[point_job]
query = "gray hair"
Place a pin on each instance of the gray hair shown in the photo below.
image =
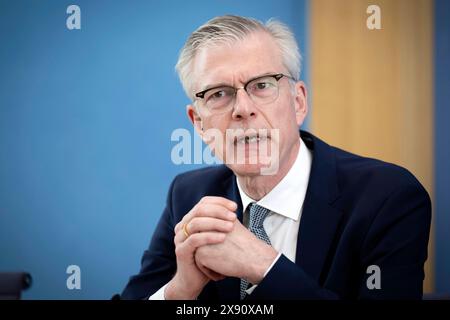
(229, 28)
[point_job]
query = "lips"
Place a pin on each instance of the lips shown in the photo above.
(251, 138)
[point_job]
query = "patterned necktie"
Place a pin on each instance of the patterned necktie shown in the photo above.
(257, 216)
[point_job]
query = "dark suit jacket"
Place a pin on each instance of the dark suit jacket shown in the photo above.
(357, 212)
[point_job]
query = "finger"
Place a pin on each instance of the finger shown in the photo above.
(212, 275)
(206, 210)
(179, 237)
(213, 236)
(200, 208)
(196, 240)
(177, 227)
(202, 224)
(210, 210)
(230, 205)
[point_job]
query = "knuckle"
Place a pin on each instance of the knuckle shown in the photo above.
(195, 210)
(201, 210)
(192, 225)
(223, 211)
(178, 252)
(196, 239)
(192, 240)
(210, 237)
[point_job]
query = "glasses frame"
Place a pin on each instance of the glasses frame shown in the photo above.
(276, 76)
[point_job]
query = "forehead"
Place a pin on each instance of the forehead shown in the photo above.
(236, 62)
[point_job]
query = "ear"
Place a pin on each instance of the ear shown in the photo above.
(195, 118)
(300, 102)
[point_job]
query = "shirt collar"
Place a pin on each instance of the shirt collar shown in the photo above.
(287, 197)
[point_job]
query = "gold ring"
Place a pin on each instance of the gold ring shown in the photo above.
(186, 233)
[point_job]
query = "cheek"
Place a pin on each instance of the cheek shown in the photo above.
(215, 123)
(214, 134)
(284, 118)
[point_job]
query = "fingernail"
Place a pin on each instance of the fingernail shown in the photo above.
(231, 215)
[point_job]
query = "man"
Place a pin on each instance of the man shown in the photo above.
(320, 224)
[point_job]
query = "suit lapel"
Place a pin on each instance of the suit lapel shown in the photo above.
(317, 230)
(320, 219)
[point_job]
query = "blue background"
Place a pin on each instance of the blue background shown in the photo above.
(85, 123)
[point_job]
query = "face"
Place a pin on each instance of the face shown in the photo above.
(234, 65)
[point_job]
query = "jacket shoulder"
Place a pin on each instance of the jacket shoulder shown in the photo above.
(369, 173)
(208, 176)
(189, 187)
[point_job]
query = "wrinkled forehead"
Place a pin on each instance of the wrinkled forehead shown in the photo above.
(236, 61)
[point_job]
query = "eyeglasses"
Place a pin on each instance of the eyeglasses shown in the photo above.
(262, 90)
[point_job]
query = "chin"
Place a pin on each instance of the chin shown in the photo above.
(254, 170)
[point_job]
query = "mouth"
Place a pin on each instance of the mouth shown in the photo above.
(251, 138)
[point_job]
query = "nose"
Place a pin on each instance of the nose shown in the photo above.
(244, 107)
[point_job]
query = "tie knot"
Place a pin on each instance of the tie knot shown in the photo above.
(257, 215)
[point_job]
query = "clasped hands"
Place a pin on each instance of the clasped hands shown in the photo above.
(211, 244)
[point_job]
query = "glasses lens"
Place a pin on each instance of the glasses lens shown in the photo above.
(263, 90)
(219, 99)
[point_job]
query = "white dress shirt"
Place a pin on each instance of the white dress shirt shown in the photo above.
(285, 202)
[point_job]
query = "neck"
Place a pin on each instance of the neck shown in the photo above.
(256, 187)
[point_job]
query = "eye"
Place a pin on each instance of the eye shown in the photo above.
(262, 85)
(218, 94)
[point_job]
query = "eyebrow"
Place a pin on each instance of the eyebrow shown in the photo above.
(223, 84)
